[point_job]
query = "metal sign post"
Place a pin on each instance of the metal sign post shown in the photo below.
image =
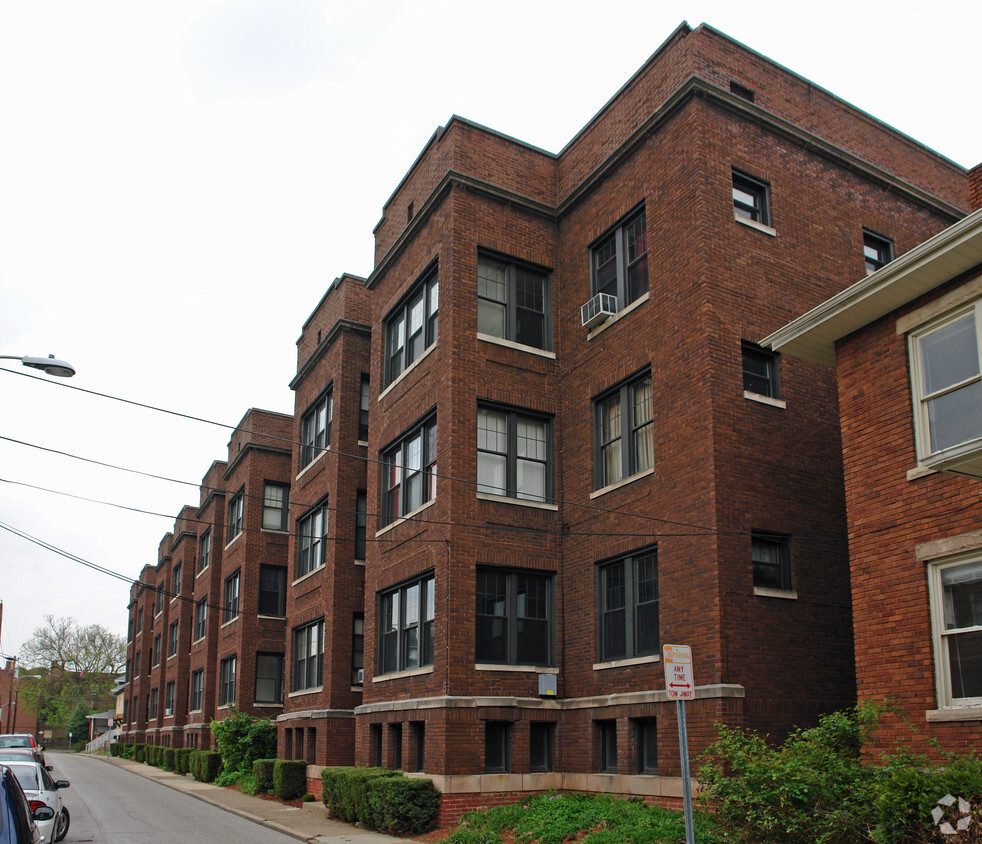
(681, 687)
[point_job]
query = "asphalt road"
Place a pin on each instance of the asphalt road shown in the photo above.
(109, 805)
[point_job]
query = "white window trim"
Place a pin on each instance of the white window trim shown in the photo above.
(623, 312)
(408, 517)
(620, 663)
(518, 502)
(762, 399)
(312, 463)
(511, 344)
(746, 221)
(423, 355)
(301, 692)
(525, 669)
(624, 482)
(767, 592)
(398, 675)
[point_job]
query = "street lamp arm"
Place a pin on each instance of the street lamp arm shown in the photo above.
(50, 364)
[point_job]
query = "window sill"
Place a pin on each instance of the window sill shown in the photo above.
(199, 639)
(231, 542)
(511, 344)
(271, 617)
(526, 669)
(359, 562)
(302, 692)
(312, 463)
(762, 399)
(919, 472)
(955, 713)
(620, 663)
(277, 531)
(171, 657)
(765, 592)
(398, 675)
(309, 574)
(176, 597)
(962, 459)
(753, 224)
(198, 574)
(405, 518)
(259, 705)
(225, 624)
(623, 312)
(363, 443)
(392, 384)
(518, 502)
(604, 490)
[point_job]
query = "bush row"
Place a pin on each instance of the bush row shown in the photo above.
(381, 799)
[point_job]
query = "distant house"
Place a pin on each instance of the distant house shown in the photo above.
(100, 722)
(906, 342)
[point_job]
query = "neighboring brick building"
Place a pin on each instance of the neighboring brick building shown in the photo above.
(576, 450)
(905, 343)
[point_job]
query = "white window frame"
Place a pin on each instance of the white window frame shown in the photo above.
(276, 513)
(227, 668)
(312, 540)
(315, 428)
(415, 316)
(941, 637)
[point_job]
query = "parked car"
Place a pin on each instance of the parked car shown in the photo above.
(23, 754)
(41, 790)
(18, 824)
(11, 740)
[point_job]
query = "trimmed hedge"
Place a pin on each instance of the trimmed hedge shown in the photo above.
(205, 765)
(182, 759)
(262, 769)
(289, 778)
(346, 792)
(403, 805)
(169, 758)
(140, 752)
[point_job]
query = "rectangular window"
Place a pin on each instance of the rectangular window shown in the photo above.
(312, 529)
(418, 729)
(514, 617)
(363, 408)
(269, 678)
(159, 603)
(412, 327)
(235, 511)
(204, 551)
(513, 302)
(956, 605)
(877, 251)
(540, 746)
(139, 619)
(759, 370)
(201, 618)
(308, 652)
(409, 472)
(315, 428)
(750, 199)
(169, 698)
(406, 626)
(358, 650)
(497, 747)
(176, 590)
(646, 734)
(138, 661)
(375, 736)
(607, 750)
(272, 591)
(152, 706)
(361, 524)
(197, 689)
(619, 261)
(172, 638)
(231, 606)
(395, 742)
(513, 455)
(227, 673)
(155, 653)
(623, 431)
(946, 372)
(772, 560)
(628, 606)
(276, 506)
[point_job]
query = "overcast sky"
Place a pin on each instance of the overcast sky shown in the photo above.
(180, 181)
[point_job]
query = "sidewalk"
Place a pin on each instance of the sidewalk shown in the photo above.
(309, 823)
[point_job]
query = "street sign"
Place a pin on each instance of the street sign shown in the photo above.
(678, 672)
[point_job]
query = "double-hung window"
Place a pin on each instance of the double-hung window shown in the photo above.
(276, 506)
(628, 606)
(172, 638)
(759, 370)
(513, 454)
(272, 590)
(956, 605)
(235, 511)
(772, 560)
(315, 428)
(169, 699)
(409, 472)
(308, 656)
(227, 678)
(204, 551)
(311, 540)
(155, 653)
(405, 637)
(514, 617)
(201, 618)
(197, 689)
(412, 327)
(364, 407)
(751, 199)
(946, 371)
(619, 261)
(152, 705)
(877, 251)
(513, 302)
(624, 433)
(177, 581)
(361, 524)
(231, 605)
(269, 678)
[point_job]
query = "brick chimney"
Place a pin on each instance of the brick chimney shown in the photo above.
(975, 187)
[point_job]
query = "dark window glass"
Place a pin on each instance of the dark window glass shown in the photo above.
(315, 428)
(409, 472)
(772, 560)
(513, 302)
(364, 408)
(412, 327)
(172, 639)
(235, 510)
(406, 617)
(227, 695)
(177, 581)
(750, 199)
(513, 617)
(619, 261)
(628, 607)
(276, 506)
(497, 747)
(647, 738)
(200, 618)
(361, 524)
(607, 738)
(197, 689)
(877, 251)
(419, 745)
(269, 678)
(231, 605)
(204, 551)
(310, 546)
(358, 650)
(624, 431)
(540, 746)
(308, 653)
(759, 370)
(272, 590)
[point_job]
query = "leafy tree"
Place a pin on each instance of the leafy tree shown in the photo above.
(62, 642)
(78, 724)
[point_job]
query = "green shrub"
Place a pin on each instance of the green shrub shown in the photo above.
(401, 805)
(169, 757)
(289, 778)
(127, 751)
(248, 784)
(205, 765)
(308, 798)
(242, 739)
(139, 752)
(346, 792)
(182, 758)
(262, 769)
(114, 749)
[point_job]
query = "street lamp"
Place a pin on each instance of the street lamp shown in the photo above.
(50, 364)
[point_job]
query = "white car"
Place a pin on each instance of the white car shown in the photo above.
(41, 790)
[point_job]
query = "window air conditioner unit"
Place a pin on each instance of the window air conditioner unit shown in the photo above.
(598, 309)
(360, 676)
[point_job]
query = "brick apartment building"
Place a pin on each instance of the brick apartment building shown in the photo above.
(540, 440)
(905, 343)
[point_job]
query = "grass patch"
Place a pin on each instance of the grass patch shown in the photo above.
(587, 818)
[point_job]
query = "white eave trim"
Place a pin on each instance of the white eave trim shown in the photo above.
(941, 258)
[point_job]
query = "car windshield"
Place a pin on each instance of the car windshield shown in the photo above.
(15, 741)
(27, 776)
